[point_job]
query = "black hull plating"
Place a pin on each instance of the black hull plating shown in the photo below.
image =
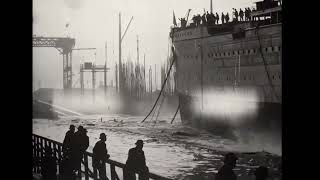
(266, 119)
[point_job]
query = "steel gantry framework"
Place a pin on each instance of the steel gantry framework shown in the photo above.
(65, 47)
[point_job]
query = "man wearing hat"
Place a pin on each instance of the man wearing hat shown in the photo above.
(226, 172)
(100, 155)
(136, 163)
(67, 142)
(80, 145)
(66, 166)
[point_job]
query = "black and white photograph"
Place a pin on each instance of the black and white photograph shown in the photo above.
(162, 90)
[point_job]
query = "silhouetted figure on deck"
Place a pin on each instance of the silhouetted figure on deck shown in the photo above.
(222, 18)
(48, 165)
(235, 13)
(227, 17)
(100, 155)
(217, 18)
(80, 145)
(136, 162)
(226, 172)
(261, 173)
(241, 14)
(67, 142)
(208, 18)
(249, 14)
(183, 22)
(246, 14)
(203, 19)
(198, 18)
(213, 18)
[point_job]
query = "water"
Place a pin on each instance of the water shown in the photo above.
(171, 150)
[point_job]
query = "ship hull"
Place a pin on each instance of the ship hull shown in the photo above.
(266, 118)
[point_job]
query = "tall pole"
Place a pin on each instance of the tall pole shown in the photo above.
(210, 6)
(93, 81)
(138, 50)
(138, 75)
(105, 71)
(120, 63)
(150, 78)
(155, 76)
(144, 73)
(117, 85)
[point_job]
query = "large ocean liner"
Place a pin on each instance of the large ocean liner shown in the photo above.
(228, 75)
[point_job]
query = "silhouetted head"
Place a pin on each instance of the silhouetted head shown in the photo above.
(84, 131)
(80, 128)
(230, 159)
(139, 144)
(72, 128)
(103, 137)
(261, 173)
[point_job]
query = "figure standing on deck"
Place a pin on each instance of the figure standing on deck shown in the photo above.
(203, 19)
(80, 145)
(222, 18)
(49, 165)
(235, 13)
(217, 18)
(136, 163)
(198, 19)
(100, 155)
(241, 14)
(213, 18)
(226, 172)
(208, 18)
(227, 17)
(194, 19)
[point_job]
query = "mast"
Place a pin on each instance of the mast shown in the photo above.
(120, 64)
(144, 73)
(155, 76)
(138, 69)
(105, 71)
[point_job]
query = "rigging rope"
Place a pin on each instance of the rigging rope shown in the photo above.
(163, 85)
(175, 114)
(265, 65)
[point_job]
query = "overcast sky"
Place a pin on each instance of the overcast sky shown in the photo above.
(93, 22)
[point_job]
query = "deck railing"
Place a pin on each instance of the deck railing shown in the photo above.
(39, 144)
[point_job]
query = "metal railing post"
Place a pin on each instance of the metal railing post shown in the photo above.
(86, 168)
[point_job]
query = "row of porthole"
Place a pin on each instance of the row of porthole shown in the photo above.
(234, 53)
(249, 77)
(183, 34)
(245, 52)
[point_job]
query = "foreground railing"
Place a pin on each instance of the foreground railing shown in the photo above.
(39, 144)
